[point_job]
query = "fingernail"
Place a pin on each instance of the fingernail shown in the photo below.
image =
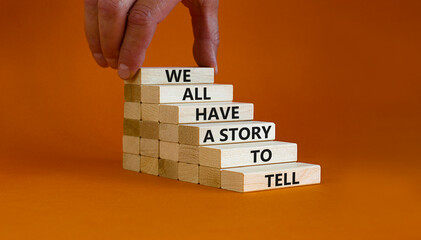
(124, 71)
(99, 58)
(112, 62)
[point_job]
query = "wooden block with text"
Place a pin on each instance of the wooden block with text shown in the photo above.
(172, 75)
(150, 112)
(186, 93)
(167, 168)
(149, 147)
(188, 172)
(131, 144)
(168, 132)
(265, 177)
(149, 165)
(247, 154)
(132, 93)
(168, 150)
(225, 132)
(132, 110)
(210, 176)
(131, 162)
(149, 129)
(205, 112)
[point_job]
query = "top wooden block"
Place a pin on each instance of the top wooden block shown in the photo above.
(172, 75)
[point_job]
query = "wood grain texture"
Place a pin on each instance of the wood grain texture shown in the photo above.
(132, 110)
(209, 176)
(188, 154)
(167, 168)
(131, 162)
(149, 129)
(226, 132)
(205, 112)
(168, 150)
(149, 147)
(132, 93)
(149, 165)
(247, 154)
(265, 177)
(158, 75)
(188, 172)
(186, 93)
(168, 132)
(150, 112)
(131, 144)
(131, 127)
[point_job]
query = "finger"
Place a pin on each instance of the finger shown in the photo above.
(204, 14)
(92, 31)
(141, 25)
(112, 16)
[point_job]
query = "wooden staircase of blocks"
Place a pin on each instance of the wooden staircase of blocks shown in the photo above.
(178, 124)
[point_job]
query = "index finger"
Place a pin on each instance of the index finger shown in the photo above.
(141, 25)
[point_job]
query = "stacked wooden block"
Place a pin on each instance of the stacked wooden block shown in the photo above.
(179, 125)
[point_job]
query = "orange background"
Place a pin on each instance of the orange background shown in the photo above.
(340, 78)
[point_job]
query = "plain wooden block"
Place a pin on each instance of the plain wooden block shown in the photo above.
(209, 176)
(131, 144)
(131, 162)
(132, 110)
(149, 147)
(149, 165)
(188, 154)
(168, 132)
(168, 168)
(247, 154)
(149, 129)
(150, 112)
(172, 75)
(168, 150)
(226, 132)
(186, 93)
(131, 127)
(265, 177)
(188, 172)
(205, 112)
(132, 93)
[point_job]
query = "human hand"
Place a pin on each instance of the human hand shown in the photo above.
(120, 31)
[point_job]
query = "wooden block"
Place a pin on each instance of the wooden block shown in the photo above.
(227, 132)
(131, 144)
(149, 147)
(188, 154)
(209, 176)
(186, 93)
(172, 75)
(168, 132)
(265, 177)
(149, 165)
(247, 154)
(132, 93)
(168, 168)
(131, 162)
(168, 150)
(150, 112)
(149, 129)
(188, 172)
(131, 127)
(205, 112)
(132, 110)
